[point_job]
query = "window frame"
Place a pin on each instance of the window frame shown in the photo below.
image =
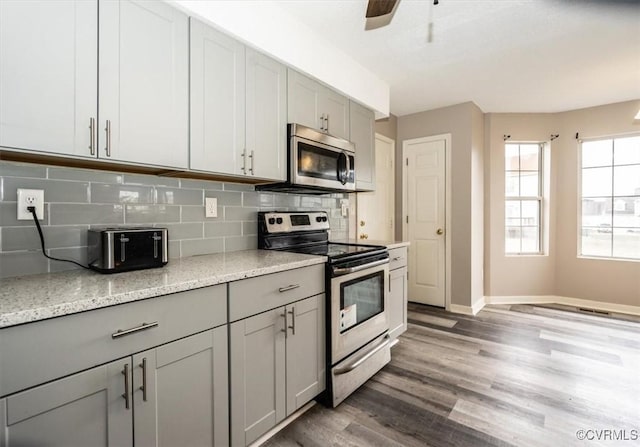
(539, 198)
(580, 198)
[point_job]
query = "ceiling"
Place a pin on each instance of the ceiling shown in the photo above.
(504, 55)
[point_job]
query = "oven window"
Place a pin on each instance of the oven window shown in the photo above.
(317, 162)
(361, 299)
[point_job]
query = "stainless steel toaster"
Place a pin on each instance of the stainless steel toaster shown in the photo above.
(113, 250)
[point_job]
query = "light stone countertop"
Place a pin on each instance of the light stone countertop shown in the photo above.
(37, 297)
(388, 244)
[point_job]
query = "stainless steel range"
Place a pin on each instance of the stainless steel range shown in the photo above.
(357, 279)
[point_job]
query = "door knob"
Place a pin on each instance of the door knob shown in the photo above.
(362, 223)
(364, 236)
(439, 231)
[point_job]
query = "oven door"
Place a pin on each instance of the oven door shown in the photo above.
(315, 164)
(359, 303)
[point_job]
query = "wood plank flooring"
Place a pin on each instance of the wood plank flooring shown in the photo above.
(518, 375)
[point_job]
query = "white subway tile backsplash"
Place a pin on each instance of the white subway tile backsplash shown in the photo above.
(79, 199)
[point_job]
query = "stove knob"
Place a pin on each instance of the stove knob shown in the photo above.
(324, 218)
(279, 220)
(271, 221)
(319, 219)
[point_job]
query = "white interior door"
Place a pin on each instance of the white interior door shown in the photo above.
(424, 195)
(376, 209)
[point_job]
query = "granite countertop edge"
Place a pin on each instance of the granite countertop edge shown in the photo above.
(32, 299)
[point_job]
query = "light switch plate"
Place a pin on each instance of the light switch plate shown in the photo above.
(344, 208)
(210, 207)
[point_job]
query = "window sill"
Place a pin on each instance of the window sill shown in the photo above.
(606, 258)
(526, 255)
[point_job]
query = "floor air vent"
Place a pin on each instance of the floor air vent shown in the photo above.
(593, 311)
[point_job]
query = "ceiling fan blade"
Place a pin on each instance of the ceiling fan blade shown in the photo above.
(377, 8)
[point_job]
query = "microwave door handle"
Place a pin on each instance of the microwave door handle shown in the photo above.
(342, 175)
(348, 168)
(346, 271)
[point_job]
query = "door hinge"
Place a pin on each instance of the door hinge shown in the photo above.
(407, 161)
(407, 218)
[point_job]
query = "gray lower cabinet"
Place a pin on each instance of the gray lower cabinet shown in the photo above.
(277, 366)
(61, 384)
(398, 288)
(83, 410)
(175, 394)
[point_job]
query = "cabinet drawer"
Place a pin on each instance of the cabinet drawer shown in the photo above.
(397, 258)
(37, 352)
(254, 295)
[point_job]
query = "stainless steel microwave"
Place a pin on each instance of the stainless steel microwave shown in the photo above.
(317, 163)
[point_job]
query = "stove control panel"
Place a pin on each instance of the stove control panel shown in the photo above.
(291, 221)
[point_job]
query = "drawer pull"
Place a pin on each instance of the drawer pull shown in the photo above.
(289, 287)
(142, 327)
(397, 258)
(125, 372)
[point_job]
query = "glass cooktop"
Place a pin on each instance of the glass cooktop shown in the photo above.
(336, 250)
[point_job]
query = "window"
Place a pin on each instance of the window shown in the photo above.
(610, 198)
(523, 198)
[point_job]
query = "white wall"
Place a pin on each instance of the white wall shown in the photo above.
(560, 272)
(264, 25)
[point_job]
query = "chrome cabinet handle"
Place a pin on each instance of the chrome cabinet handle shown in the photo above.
(286, 334)
(244, 161)
(397, 258)
(107, 129)
(125, 372)
(389, 282)
(289, 287)
(251, 158)
(326, 120)
(143, 365)
(144, 326)
(322, 122)
(92, 135)
(293, 320)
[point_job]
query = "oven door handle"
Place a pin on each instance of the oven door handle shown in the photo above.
(346, 271)
(348, 368)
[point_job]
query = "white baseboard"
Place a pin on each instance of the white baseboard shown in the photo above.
(468, 310)
(567, 301)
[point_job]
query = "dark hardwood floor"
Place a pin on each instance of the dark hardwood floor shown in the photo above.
(512, 375)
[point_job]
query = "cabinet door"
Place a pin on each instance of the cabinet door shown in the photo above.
(257, 375)
(85, 409)
(217, 101)
(336, 109)
(362, 135)
(304, 97)
(266, 134)
(186, 399)
(48, 75)
(144, 65)
(398, 302)
(306, 361)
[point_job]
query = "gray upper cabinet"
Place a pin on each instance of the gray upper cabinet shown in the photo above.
(362, 124)
(85, 409)
(266, 114)
(238, 107)
(113, 87)
(217, 101)
(48, 76)
(144, 63)
(314, 105)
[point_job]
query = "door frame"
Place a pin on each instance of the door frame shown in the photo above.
(447, 203)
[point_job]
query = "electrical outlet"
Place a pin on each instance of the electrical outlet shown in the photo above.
(344, 208)
(30, 197)
(210, 207)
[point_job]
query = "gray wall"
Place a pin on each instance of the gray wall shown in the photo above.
(388, 127)
(464, 123)
(78, 199)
